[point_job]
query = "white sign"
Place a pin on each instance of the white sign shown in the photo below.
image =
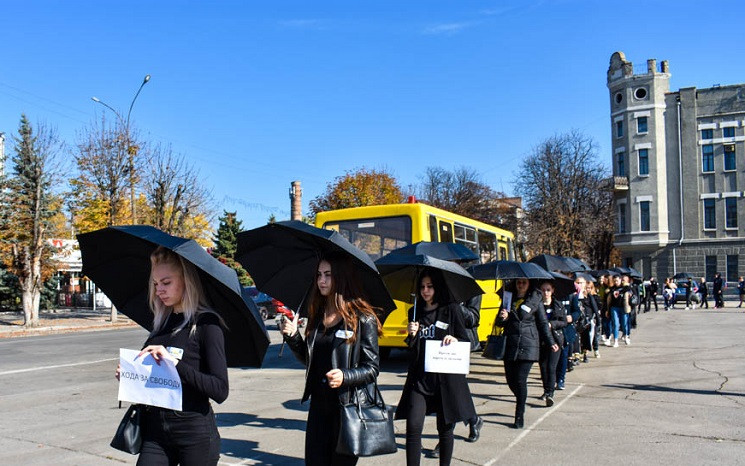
(507, 300)
(142, 380)
(454, 358)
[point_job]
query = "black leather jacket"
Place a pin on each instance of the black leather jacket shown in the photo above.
(359, 369)
(526, 327)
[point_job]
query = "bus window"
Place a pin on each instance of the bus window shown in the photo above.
(446, 234)
(502, 253)
(433, 228)
(376, 236)
(466, 236)
(510, 249)
(487, 246)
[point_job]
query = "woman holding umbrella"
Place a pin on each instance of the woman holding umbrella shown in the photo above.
(548, 359)
(434, 317)
(189, 334)
(525, 326)
(338, 317)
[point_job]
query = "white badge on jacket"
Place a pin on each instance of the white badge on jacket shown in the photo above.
(441, 325)
(344, 334)
(526, 308)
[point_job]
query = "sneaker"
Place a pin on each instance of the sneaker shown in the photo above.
(597, 354)
(549, 401)
(560, 386)
(628, 341)
(615, 344)
(543, 397)
(608, 342)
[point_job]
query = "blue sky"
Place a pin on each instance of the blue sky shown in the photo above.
(258, 94)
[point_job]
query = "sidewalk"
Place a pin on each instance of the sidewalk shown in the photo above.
(61, 321)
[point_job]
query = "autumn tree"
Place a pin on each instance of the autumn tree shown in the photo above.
(29, 213)
(177, 202)
(463, 192)
(226, 244)
(358, 188)
(567, 199)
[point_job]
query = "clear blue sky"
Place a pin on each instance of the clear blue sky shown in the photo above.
(258, 94)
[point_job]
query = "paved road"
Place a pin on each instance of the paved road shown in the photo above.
(676, 396)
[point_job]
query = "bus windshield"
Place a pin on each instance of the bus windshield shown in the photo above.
(376, 236)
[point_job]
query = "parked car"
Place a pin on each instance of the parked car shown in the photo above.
(680, 292)
(263, 301)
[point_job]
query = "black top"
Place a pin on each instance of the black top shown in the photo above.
(426, 382)
(617, 296)
(203, 370)
(321, 364)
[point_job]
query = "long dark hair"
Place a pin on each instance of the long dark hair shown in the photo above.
(442, 296)
(347, 296)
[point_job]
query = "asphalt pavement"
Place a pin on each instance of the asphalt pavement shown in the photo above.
(674, 396)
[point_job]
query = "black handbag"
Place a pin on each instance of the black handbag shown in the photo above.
(495, 345)
(128, 437)
(366, 422)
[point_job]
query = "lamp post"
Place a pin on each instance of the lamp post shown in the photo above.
(131, 149)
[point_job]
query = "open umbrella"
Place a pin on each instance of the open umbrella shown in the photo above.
(630, 271)
(282, 258)
(559, 263)
(401, 271)
(507, 270)
(444, 251)
(563, 285)
(117, 259)
(601, 272)
(588, 277)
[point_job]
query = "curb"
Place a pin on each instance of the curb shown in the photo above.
(55, 329)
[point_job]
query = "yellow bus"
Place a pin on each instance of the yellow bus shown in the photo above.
(380, 229)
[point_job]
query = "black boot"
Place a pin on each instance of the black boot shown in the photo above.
(519, 421)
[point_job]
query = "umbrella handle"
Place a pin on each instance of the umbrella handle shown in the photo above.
(414, 313)
(281, 349)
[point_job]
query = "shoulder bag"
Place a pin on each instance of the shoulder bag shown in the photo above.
(366, 422)
(128, 437)
(495, 345)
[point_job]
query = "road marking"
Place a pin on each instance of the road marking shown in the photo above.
(533, 426)
(32, 369)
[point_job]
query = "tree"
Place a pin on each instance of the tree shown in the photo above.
(176, 200)
(567, 198)
(30, 211)
(463, 192)
(226, 244)
(358, 188)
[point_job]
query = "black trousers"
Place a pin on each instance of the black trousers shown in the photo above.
(704, 301)
(415, 424)
(179, 437)
(322, 432)
(516, 373)
(548, 361)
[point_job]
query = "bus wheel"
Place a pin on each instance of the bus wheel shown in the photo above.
(385, 352)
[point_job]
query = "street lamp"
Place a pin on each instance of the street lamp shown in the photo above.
(131, 150)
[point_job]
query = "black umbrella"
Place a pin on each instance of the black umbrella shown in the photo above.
(444, 251)
(601, 272)
(588, 277)
(282, 258)
(630, 271)
(507, 270)
(117, 259)
(559, 263)
(401, 271)
(683, 276)
(563, 285)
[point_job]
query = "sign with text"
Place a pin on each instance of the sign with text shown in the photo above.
(142, 380)
(454, 358)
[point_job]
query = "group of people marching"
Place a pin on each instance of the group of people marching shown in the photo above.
(339, 346)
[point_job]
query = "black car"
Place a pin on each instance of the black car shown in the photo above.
(263, 301)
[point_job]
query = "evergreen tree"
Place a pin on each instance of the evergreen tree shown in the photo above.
(226, 237)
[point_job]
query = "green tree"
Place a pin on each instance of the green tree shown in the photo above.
(226, 244)
(362, 187)
(30, 212)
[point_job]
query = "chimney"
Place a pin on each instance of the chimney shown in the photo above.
(2, 154)
(651, 66)
(296, 201)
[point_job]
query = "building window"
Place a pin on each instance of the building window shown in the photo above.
(707, 158)
(730, 212)
(732, 263)
(644, 215)
(641, 125)
(622, 218)
(728, 132)
(710, 262)
(710, 215)
(707, 134)
(619, 129)
(729, 157)
(621, 164)
(644, 161)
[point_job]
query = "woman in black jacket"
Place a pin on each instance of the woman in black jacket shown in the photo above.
(337, 315)
(189, 334)
(447, 395)
(526, 326)
(548, 360)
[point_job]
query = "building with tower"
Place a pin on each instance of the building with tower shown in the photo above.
(678, 173)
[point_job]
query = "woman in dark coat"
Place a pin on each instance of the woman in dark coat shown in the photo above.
(548, 360)
(525, 326)
(435, 317)
(338, 314)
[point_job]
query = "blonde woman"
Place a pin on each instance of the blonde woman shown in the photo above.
(189, 334)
